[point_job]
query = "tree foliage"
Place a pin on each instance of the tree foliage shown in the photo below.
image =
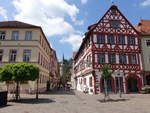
(67, 66)
(66, 76)
(6, 73)
(25, 72)
(19, 72)
(106, 72)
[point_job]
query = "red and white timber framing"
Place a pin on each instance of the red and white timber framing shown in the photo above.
(126, 62)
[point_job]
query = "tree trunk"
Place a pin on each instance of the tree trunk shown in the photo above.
(7, 84)
(17, 91)
(120, 95)
(105, 87)
(37, 90)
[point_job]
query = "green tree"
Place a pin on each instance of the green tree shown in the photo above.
(6, 74)
(67, 66)
(106, 74)
(24, 72)
(19, 72)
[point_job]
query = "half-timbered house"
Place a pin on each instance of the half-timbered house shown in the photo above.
(113, 41)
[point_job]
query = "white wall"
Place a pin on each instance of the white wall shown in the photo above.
(81, 86)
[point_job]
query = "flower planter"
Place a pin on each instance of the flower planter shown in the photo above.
(3, 98)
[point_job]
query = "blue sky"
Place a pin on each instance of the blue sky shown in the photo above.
(65, 21)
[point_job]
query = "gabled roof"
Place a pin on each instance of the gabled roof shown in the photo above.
(143, 27)
(92, 27)
(16, 24)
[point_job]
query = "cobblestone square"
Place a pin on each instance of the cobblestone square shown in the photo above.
(77, 102)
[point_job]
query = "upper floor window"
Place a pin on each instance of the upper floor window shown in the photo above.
(2, 35)
(15, 35)
(112, 58)
(26, 55)
(115, 23)
(88, 43)
(113, 11)
(148, 43)
(101, 39)
(28, 35)
(101, 58)
(111, 39)
(1, 55)
(133, 59)
(121, 40)
(131, 41)
(88, 61)
(12, 55)
(122, 59)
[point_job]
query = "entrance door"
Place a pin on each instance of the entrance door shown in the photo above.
(132, 85)
(148, 80)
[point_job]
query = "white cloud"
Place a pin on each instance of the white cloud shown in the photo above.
(79, 22)
(74, 40)
(50, 14)
(84, 1)
(3, 13)
(146, 3)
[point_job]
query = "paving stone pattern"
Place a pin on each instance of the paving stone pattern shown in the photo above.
(77, 102)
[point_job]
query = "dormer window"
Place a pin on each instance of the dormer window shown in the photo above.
(115, 23)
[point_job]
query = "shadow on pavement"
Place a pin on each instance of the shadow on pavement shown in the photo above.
(60, 92)
(5, 106)
(113, 100)
(34, 101)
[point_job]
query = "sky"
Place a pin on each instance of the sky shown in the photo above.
(65, 22)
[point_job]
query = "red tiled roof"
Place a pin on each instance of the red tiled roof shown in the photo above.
(143, 27)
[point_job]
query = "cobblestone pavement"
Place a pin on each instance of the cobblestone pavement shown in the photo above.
(77, 102)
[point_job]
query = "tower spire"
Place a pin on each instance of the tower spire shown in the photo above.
(63, 58)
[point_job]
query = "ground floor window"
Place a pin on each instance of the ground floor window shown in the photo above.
(148, 80)
(109, 85)
(84, 81)
(119, 84)
(90, 81)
